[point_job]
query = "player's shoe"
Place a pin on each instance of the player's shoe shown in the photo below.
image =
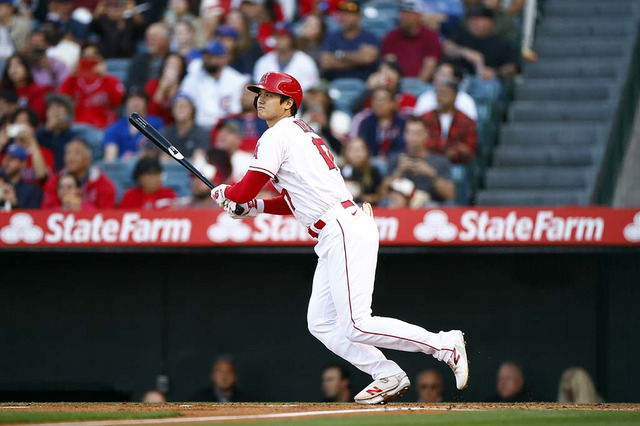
(459, 362)
(384, 390)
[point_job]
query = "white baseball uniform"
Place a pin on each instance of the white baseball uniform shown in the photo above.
(339, 315)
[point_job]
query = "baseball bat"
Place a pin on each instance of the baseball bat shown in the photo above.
(161, 142)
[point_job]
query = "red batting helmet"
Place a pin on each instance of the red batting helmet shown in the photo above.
(280, 83)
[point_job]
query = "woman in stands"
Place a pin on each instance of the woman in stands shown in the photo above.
(18, 78)
(362, 178)
(161, 91)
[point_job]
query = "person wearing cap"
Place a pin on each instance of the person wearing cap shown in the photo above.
(98, 191)
(15, 193)
(451, 132)
(479, 51)
(351, 52)
(145, 66)
(239, 61)
(47, 71)
(96, 94)
(213, 85)
(430, 172)
(286, 58)
(415, 48)
(149, 194)
(56, 132)
(121, 140)
(245, 50)
(16, 27)
(190, 139)
(401, 191)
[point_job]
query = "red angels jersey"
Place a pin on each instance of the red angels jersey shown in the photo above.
(301, 167)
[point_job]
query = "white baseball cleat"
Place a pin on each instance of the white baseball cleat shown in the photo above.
(459, 362)
(384, 390)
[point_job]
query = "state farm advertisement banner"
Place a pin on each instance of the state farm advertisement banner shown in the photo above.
(451, 226)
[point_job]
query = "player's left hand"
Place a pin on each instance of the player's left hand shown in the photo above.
(249, 209)
(217, 194)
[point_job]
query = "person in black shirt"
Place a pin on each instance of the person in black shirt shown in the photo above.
(223, 384)
(14, 192)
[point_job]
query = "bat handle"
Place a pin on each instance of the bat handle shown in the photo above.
(239, 210)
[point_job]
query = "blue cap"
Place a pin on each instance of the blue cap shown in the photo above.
(182, 95)
(227, 31)
(18, 152)
(214, 47)
(7, 1)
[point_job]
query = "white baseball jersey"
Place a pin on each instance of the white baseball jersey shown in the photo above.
(302, 168)
(214, 99)
(301, 66)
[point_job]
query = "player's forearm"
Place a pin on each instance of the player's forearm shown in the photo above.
(248, 187)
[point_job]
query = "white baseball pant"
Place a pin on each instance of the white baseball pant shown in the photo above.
(339, 313)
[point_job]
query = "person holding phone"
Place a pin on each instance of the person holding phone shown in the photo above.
(46, 71)
(96, 94)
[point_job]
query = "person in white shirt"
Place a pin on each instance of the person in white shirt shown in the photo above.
(287, 59)
(428, 102)
(214, 86)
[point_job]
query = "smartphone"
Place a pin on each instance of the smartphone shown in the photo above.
(13, 130)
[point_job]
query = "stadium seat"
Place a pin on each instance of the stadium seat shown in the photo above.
(536, 197)
(459, 173)
(92, 135)
(538, 177)
(119, 67)
(378, 26)
(344, 91)
(413, 85)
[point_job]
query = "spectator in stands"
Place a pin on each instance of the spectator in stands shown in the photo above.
(415, 48)
(8, 103)
(119, 27)
(504, 26)
(162, 90)
(312, 35)
(363, 179)
(147, 65)
(252, 127)
(510, 385)
(576, 387)
(98, 191)
(479, 51)
(223, 384)
(443, 16)
(66, 47)
(229, 139)
(319, 112)
(230, 39)
(21, 130)
(351, 52)
(96, 94)
(214, 86)
(336, 384)
(451, 132)
(428, 171)
(154, 396)
(382, 130)
(69, 191)
(200, 197)
(178, 12)
(56, 132)
(122, 140)
(15, 193)
(47, 71)
(429, 386)
(464, 102)
(262, 16)
(286, 58)
(183, 40)
(400, 194)
(18, 78)
(247, 50)
(15, 28)
(149, 194)
(190, 139)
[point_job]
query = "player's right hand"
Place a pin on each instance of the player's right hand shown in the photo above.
(217, 194)
(249, 209)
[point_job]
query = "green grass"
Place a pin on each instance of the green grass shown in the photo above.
(63, 416)
(484, 418)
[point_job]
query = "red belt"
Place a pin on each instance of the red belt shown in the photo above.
(320, 224)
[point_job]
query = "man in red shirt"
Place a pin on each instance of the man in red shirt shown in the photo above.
(97, 190)
(416, 48)
(96, 94)
(149, 194)
(451, 132)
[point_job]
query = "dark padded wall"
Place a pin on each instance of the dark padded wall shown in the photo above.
(116, 320)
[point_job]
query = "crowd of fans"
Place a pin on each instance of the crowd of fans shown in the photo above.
(63, 115)
(575, 386)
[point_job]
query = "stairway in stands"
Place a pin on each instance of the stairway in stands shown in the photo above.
(552, 146)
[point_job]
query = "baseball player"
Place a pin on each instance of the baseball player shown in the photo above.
(311, 188)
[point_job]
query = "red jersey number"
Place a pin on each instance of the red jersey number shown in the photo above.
(324, 151)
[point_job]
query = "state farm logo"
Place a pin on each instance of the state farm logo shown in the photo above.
(632, 231)
(435, 226)
(227, 228)
(21, 228)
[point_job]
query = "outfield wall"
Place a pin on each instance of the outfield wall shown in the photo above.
(107, 319)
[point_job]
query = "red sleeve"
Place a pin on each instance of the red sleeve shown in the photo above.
(50, 194)
(277, 205)
(106, 194)
(115, 90)
(248, 187)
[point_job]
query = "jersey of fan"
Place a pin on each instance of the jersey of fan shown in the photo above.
(301, 167)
